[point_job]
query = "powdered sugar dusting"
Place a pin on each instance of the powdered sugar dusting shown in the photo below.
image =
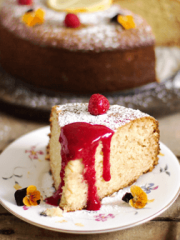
(98, 32)
(115, 117)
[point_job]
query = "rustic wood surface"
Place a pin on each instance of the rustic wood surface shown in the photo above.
(165, 227)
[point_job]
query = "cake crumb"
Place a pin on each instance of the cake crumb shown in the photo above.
(79, 224)
(54, 212)
(62, 221)
(161, 154)
(17, 186)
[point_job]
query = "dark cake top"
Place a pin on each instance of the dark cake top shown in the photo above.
(97, 33)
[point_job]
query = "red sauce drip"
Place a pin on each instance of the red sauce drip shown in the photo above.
(79, 141)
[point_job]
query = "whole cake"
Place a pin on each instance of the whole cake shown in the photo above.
(93, 156)
(103, 53)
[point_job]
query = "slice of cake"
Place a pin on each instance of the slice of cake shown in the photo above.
(94, 156)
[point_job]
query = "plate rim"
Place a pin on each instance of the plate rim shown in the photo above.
(46, 128)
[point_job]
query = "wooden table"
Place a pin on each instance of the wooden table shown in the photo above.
(166, 226)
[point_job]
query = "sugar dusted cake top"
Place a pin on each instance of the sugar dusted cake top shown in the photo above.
(97, 34)
(115, 117)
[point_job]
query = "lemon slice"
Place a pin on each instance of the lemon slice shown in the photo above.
(75, 6)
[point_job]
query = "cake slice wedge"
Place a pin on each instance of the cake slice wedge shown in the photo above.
(130, 137)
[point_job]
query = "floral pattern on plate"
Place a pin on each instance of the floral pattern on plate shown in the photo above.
(149, 187)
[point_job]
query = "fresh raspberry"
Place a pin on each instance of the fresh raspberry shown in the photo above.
(72, 21)
(24, 2)
(98, 104)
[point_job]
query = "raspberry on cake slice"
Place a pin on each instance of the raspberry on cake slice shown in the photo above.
(93, 156)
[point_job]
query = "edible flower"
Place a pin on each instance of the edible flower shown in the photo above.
(32, 18)
(126, 21)
(32, 196)
(137, 198)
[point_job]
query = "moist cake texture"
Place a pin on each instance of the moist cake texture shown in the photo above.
(134, 149)
(99, 56)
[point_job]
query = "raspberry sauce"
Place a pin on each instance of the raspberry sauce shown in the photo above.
(79, 141)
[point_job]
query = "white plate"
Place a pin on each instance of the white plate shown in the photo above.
(23, 163)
